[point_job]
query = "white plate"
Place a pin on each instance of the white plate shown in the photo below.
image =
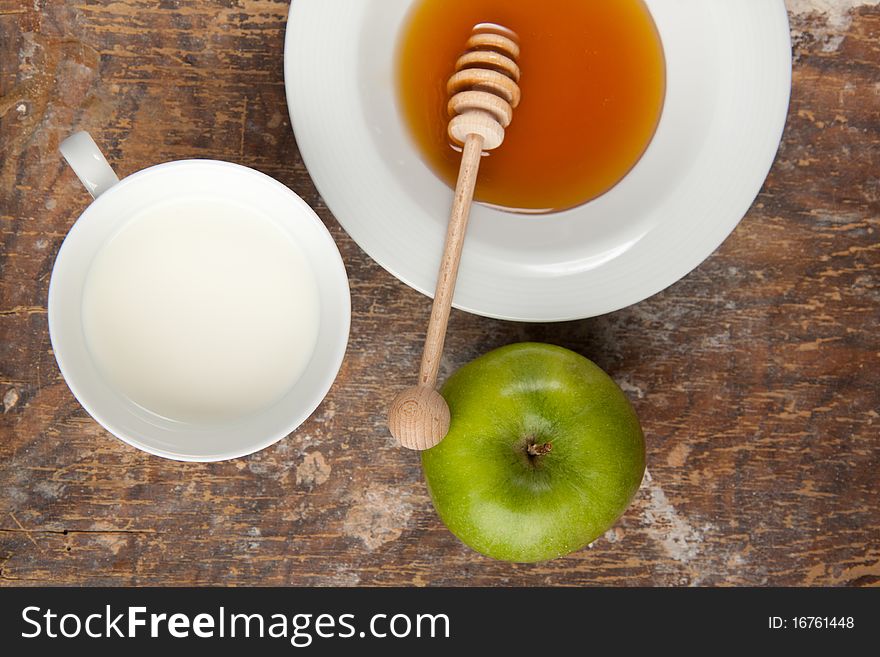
(728, 82)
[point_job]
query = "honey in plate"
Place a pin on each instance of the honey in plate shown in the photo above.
(593, 80)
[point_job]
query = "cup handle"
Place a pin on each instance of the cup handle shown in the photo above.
(88, 163)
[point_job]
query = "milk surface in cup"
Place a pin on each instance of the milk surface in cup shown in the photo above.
(201, 310)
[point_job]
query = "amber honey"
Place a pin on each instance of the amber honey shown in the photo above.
(593, 84)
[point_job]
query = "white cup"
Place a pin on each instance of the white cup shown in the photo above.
(116, 202)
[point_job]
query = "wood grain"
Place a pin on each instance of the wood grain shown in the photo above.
(756, 377)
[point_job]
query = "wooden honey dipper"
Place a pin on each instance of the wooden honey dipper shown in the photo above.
(483, 92)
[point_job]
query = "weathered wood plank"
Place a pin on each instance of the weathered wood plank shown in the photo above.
(757, 376)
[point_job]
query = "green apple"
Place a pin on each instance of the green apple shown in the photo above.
(543, 455)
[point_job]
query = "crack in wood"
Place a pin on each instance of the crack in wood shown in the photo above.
(68, 532)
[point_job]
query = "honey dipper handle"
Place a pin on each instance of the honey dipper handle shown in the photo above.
(461, 210)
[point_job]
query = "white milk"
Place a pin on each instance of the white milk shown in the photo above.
(201, 311)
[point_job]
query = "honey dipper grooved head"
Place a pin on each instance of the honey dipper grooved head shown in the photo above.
(484, 89)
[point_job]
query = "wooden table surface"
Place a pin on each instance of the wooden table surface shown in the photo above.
(757, 377)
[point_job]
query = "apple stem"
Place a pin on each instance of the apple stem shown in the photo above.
(539, 450)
